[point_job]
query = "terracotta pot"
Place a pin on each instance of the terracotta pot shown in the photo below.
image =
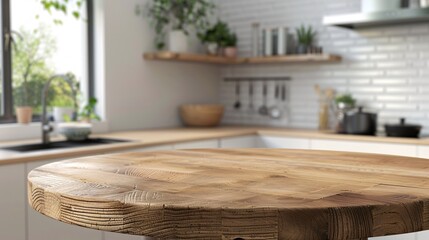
(24, 115)
(230, 52)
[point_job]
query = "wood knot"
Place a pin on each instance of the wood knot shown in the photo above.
(276, 176)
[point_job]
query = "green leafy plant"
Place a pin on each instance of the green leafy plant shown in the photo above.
(180, 15)
(31, 52)
(230, 40)
(346, 99)
(64, 6)
(88, 111)
(219, 33)
(305, 35)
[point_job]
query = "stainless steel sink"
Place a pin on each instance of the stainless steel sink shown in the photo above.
(62, 144)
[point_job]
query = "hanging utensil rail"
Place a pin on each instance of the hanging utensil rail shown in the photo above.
(261, 79)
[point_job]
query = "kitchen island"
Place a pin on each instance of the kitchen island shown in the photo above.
(237, 194)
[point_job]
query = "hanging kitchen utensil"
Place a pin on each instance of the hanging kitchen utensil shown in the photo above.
(283, 97)
(237, 104)
(251, 92)
(283, 93)
(263, 110)
(274, 111)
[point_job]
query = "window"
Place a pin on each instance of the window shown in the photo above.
(38, 44)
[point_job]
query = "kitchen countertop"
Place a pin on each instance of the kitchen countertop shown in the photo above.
(154, 137)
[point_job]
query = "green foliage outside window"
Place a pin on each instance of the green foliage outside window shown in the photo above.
(31, 59)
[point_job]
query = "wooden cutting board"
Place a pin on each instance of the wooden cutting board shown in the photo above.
(237, 194)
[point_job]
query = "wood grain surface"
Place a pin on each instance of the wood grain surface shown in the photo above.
(204, 58)
(246, 194)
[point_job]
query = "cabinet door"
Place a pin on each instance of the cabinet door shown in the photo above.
(41, 227)
(238, 142)
(283, 142)
(355, 146)
(13, 201)
(198, 144)
(423, 152)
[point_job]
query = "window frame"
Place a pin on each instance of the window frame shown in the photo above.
(7, 89)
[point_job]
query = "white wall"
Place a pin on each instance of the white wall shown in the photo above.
(141, 94)
(386, 68)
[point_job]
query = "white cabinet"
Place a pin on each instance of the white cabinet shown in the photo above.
(41, 227)
(198, 144)
(365, 147)
(283, 142)
(13, 201)
(423, 152)
(239, 142)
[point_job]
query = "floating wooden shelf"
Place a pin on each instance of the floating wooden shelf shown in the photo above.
(304, 58)
(201, 58)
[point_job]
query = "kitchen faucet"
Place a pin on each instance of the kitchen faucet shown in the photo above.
(46, 126)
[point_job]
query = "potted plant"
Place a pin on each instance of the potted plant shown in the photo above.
(305, 37)
(23, 109)
(210, 38)
(343, 104)
(88, 113)
(181, 16)
(214, 37)
(80, 130)
(65, 101)
(24, 114)
(230, 46)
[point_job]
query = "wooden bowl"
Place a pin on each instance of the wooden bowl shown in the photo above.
(208, 115)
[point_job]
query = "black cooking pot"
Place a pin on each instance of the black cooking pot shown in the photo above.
(403, 130)
(360, 123)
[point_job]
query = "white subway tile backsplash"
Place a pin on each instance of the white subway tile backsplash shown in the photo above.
(385, 68)
(391, 98)
(361, 49)
(392, 48)
(379, 56)
(396, 90)
(389, 81)
(401, 106)
(369, 90)
(392, 64)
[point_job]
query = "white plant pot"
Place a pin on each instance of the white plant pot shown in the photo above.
(60, 113)
(212, 48)
(178, 41)
(380, 5)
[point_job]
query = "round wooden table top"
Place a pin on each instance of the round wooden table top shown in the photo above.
(237, 194)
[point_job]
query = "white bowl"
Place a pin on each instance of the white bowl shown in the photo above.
(75, 131)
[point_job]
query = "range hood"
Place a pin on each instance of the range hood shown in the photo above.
(373, 19)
